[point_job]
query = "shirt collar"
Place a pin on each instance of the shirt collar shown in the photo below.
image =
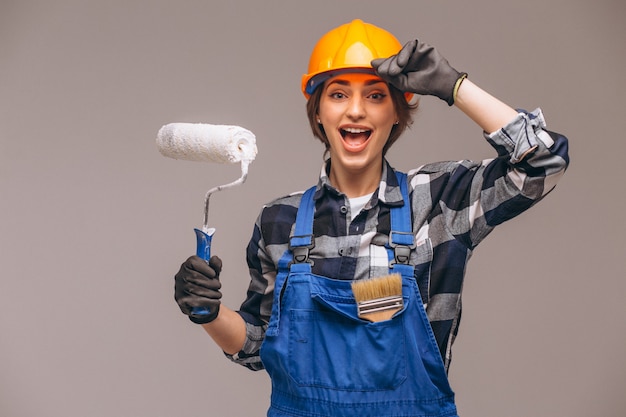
(388, 190)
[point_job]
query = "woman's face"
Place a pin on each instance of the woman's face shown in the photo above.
(357, 114)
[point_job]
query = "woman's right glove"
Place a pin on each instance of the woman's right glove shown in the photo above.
(419, 68)
(197, 286)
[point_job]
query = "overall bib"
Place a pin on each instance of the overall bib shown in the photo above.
(324, 360)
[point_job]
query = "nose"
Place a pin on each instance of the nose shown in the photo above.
(356, 108)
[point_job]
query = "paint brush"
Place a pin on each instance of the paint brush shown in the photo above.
(379, 298)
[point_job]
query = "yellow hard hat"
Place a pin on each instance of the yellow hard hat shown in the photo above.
(348, 48)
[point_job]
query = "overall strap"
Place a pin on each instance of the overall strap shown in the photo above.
(302, 241)
(401, 238)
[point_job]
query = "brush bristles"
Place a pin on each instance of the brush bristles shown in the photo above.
(378, 298)
(379, 287)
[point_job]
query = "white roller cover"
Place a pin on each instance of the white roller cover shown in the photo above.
(207, 143)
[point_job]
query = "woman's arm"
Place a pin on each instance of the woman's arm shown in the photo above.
(487, 111)
(197, 286)
(420, 68)
(228, 330)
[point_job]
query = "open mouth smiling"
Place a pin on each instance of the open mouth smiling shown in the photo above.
(354, 138)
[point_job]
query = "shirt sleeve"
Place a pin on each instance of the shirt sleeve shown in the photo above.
(256, 308)
(249, 354)
(530, 162)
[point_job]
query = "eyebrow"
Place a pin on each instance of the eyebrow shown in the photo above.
(347, 82)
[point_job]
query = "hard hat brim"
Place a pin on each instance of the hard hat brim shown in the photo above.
(312, 82)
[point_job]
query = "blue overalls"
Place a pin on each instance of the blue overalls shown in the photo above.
(324, 360)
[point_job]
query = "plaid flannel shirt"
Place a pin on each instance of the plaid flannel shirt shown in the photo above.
(455, 205)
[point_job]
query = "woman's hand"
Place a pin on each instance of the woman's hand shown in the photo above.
(197, 286)
(419, 68)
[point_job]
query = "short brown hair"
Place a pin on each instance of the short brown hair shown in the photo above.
(404, 110)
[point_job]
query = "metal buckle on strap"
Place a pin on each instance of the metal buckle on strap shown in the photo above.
(402, 249)
(301, 250)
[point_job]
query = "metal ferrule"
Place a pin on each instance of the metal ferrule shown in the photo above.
(380, 304)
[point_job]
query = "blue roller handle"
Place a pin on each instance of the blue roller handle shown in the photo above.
(203, 250)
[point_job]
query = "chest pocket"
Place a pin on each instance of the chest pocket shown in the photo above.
(331, 347)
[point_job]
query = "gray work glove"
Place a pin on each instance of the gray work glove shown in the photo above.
(197, 286)
(419, 68)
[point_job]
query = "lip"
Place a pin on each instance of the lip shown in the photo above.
(355, 137)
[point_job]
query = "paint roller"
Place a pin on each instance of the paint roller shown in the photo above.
(208, 143)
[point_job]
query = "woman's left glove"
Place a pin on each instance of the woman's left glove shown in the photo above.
(197, 286)
(419, 68)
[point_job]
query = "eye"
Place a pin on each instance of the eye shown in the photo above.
(337, 95)
(378, 96)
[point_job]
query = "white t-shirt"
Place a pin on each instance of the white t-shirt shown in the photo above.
(357, 204)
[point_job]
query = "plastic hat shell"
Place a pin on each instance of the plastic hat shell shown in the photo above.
(349, 47)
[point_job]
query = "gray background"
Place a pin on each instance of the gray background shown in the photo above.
(95, 222)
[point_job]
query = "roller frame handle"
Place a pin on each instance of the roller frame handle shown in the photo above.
(203, 250)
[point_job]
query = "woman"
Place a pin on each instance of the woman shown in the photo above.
(363, 220)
